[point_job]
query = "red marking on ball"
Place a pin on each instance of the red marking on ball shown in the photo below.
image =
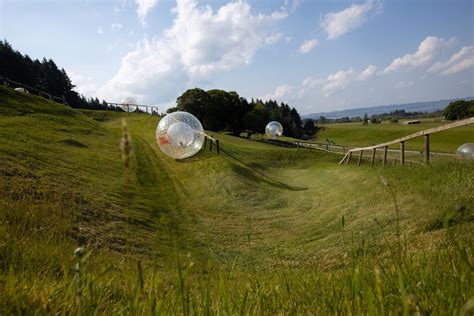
(163, 140)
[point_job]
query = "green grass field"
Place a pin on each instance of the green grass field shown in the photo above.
(356, 134)
(258, 229)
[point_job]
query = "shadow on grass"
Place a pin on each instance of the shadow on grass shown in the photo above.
(249, 171)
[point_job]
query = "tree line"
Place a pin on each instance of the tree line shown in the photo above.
(219, 110)
(44, 75)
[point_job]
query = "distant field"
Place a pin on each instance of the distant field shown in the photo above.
(258, 229)
(356, 134)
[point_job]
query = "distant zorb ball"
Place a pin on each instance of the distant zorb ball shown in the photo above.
(274, 129)
(23, 90)
(129, 104)
(180, 135)
(466, 151)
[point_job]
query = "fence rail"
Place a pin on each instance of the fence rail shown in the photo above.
(384, 146)
(211, 142)
(8, 82)
(150, 109)
(415, 157)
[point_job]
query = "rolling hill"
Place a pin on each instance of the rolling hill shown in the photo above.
(258, 229)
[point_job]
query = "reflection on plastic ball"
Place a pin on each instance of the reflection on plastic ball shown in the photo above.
(180, 135)
(129, 104)
(274, 129)
(466, 151)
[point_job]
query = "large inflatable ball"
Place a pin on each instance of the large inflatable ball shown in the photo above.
(274, 129)
(22, 90)
(180, 135)
(466, 151)
(129, 104)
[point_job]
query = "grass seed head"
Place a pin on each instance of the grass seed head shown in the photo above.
(125, 144)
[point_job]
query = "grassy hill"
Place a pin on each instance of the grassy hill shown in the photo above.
(257, 229)
(356, 134)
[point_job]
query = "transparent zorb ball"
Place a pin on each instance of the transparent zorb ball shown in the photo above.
(274, 129)
(129, 104)
(466, 151)
(23, 90)
(180, 135)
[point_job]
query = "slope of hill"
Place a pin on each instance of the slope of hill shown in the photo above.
(257, 229)
(357, 134)
(428, 106)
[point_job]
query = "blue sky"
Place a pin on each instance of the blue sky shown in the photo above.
(315, 55)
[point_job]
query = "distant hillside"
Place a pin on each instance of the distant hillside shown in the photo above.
(429, 106)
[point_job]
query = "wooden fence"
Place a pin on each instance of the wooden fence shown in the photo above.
(212, 141)
(415, 156)
(150, 109)
(11, 83)
(401, 141)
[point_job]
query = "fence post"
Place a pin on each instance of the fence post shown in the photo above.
(373, 156)
(217, 146)
(360, 157)
(327, 147)
(210, 145)
(427, 148)
(402, 153)
(205, 141)
(385, 155)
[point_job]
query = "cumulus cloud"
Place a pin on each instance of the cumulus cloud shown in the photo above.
(308, 45)
(84, 85)
(337, 81)
(368, 73)
(200, 43)
(339, 23)
(283, 92)
(144, 7)
(460, 61)
(334, 82)
(427, 50)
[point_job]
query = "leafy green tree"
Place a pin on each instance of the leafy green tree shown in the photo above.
(194, 101)
(458, 110)
(256, 119)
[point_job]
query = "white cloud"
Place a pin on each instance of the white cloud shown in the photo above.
(144, 7)
(273, 39)
(308, 45)
(100, 31)
(334, 82)
(337, 81)
(427, 50)
(84, 85)
(339, 23)
(462, 60)
(115, 27)
(201, 43)
(282, 93)
(368, 73)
